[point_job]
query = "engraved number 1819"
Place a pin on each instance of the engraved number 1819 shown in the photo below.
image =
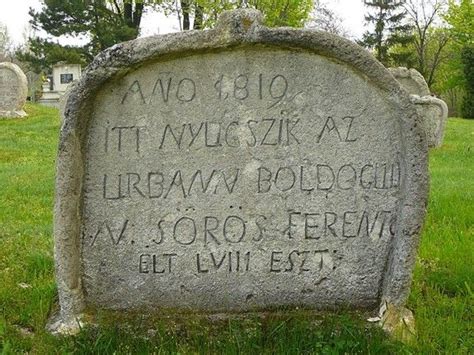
(244, 86)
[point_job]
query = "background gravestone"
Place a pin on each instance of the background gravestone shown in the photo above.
(13, 91)
(411, 80)
(235, 169)
(434, 113)
(432, 110)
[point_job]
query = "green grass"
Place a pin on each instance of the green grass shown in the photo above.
(441, 297)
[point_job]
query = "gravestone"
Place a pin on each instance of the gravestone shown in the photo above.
(237, 169)
(63, 101)
(13, 91)
(411, 80)
(432, 110)
(434, 114)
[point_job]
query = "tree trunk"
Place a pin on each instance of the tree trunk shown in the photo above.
(198, 17)
(137, 15)
(128, 13)
(185, 10)
(379, 36)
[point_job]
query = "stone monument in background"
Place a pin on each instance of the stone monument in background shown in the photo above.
(433, 110)
(411, 80)
(13, 91)
(55, 89)
(237, 169)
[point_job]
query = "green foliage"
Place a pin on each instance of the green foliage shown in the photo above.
(292, 13)
(103, 23)
(437, 51)
(449, 80)
(390, 29)
(427, 60)
(98, 22)
(402, 55)
(461, 18)
(51, 53)
(441, 297)
(427, 47)
(468, 62)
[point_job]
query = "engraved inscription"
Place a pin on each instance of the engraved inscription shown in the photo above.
(216, 182)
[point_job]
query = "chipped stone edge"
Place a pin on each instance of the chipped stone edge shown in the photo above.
(18, 111)
(437, 139)
(12, 114)
(61, 326)
(397, 321)
(240, 28)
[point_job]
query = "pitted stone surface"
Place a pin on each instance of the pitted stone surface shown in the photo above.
(411, 80)
(434, 113)
(432, 110)
(13, 90)
(236, 169)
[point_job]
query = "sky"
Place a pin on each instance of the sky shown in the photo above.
(14, 14)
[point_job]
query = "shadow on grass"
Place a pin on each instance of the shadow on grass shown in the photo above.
(289, 332)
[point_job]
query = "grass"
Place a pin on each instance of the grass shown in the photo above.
(441, 298)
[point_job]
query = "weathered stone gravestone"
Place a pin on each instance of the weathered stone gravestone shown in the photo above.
(434, 111)
(13, 91)
(411, 80)
(235, 169)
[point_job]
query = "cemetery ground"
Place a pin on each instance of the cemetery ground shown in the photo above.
(442, 295)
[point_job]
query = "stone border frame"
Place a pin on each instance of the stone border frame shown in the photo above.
(235, 29)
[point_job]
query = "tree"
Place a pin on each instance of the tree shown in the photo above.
(322, 18)
(201, 13)
(434, 54)
(428, 41)
(187, 6)
(460, 17)
(102, 23)
(390, 29)
(5, 44)
(291, 13)
(467, 56)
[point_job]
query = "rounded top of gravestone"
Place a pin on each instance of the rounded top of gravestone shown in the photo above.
(411, 80)
(13, 90)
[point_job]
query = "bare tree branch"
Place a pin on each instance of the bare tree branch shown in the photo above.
(423, 14)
